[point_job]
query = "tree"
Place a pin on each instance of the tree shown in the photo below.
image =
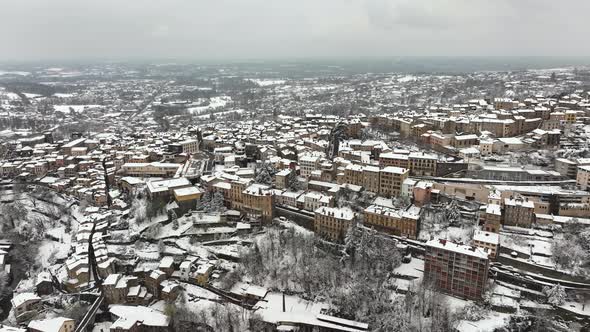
(338, 134)
(174, 219)
(204, 202)
(76, 311)
(266, 173)
(556, 295)
(217, 203)
(292, 182)
(4, 286)
(452, 213)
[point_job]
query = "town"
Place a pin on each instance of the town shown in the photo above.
(267, 197)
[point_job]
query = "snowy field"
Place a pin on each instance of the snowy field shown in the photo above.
(67, 109)
(214, 102)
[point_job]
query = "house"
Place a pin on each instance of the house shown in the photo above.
(44, 284)
(519, 212)
(138, 318)
(203, 273)
(167, 265)
(58, 324)
(153, 281)
(492, 218)
(23, 303)
(488, 241)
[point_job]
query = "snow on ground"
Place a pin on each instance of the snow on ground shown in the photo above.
(32, 95)
(577, 308)
(11, 96)
(455, 303)
(206, 116)
(121, 249)
(229, 250)
(489, 324)
(524, 244)
(149, 252)
(195, 250)
(51, 249)
(173, 251)
(168, 231)
(77, 108)
(266, 82)
(20, 73)
(102, 327)
(214, 102)
(452, 233)
(407, 78)
(63, 95)
(271, 308)
(194, 293)
(543, 261)
(298, 229)
(415, 268)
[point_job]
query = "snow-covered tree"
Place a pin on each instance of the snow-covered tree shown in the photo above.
(265, 173)
(4, 287)
(216, 204)
(174, 219)
(452, 213)
(556, 295)
(204, 201)
(292, 182)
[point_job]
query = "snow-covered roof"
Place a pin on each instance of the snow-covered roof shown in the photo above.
(338, 213)
(494, 209)
(128, 315)
(187, 191)
(457, 248)
(519, 202)
(49, 325)
(21, 298)
(393, 169)
(486, 237)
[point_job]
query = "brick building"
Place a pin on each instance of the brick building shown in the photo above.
(456, 269)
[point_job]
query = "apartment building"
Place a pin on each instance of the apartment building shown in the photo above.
(333, 223)
(488, 241)
(353, 174)
(258, 201)
(492, 218)
(583, 177)
(189, 146)
(393, 159)
(371, 178)
(308, 164)
(422, 164)
(391, 179)
(155, 169)
(456, 269)
(519, 212)
(393, 221)
(566, 167)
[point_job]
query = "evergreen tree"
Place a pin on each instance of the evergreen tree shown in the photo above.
(216, 204)
(174, 219)
(204, 202)
(266, 173)
(556, 295)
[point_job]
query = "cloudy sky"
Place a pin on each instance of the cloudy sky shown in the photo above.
(263, 29)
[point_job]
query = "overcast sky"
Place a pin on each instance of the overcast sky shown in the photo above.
(264, 29)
